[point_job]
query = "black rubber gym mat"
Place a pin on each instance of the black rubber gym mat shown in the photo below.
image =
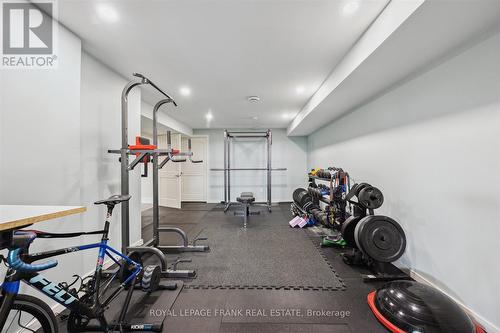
(197, 206)
(187, 220)
(353, 299)
(144, 308)
(359, 319)
(282, 328)
(268, 254)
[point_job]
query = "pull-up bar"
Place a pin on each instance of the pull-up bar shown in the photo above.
(145, 80)
(247, 169)
(247, 134)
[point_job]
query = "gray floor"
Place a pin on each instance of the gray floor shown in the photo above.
(267, 255)
(252, 308)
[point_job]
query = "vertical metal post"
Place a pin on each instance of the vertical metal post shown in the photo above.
(156, 206)
(124, 166)
(156, 178)
(269, 143)
(228, 171)
(225, 167)
(169, 141)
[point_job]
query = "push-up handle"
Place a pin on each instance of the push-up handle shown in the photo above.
(191, 153)
(172, 152)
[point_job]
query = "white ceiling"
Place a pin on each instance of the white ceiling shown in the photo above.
(224, 51)
(436, 31)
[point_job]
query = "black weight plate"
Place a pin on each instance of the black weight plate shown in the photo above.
(304, 198)
(361, 186)
(370, 197)
(298, 193)
(306, 201)
(380, 237)
(348, 228)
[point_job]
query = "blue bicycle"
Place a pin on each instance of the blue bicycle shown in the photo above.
(88, 302)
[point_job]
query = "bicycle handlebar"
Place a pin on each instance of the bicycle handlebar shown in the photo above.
(15, 262)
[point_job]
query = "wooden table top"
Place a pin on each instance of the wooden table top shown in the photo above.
(18, 216)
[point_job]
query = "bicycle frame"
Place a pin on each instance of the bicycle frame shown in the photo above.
(13, 278)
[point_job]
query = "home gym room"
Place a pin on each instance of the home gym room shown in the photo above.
(250, 166)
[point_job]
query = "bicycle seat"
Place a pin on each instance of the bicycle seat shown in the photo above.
(113, 200)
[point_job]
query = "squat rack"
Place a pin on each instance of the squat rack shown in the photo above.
(228, 136)
(143, 154)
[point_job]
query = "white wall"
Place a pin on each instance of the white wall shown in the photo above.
(100, 122)
(289, 152)
(432, 146)
(56, 127)
(40, 132)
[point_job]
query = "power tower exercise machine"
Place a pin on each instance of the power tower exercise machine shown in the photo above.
(229, 136)
(143, 153)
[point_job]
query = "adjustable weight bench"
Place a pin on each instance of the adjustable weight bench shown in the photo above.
(246, 199)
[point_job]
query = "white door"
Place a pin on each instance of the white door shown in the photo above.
(194, 175)
(170, 175)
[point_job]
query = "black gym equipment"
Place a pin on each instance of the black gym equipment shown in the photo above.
(409, 306)
(320, 216)
(333, 195)
(246, 199)
(145, 153)
(229, 137)
(376, 240)
(368, 196)
(348, 228)
(302, 202)
(380, 238)
(297, 194)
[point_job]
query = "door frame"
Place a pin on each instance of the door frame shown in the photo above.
(207, 161)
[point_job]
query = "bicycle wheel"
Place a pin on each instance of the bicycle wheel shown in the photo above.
(29, 314)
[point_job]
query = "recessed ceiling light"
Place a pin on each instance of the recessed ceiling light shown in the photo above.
(185, 91)
(288, 115)
(255, 118)
(254, 99)
(209, 116)
(106, 12)
(300, 89)
(350, 7)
